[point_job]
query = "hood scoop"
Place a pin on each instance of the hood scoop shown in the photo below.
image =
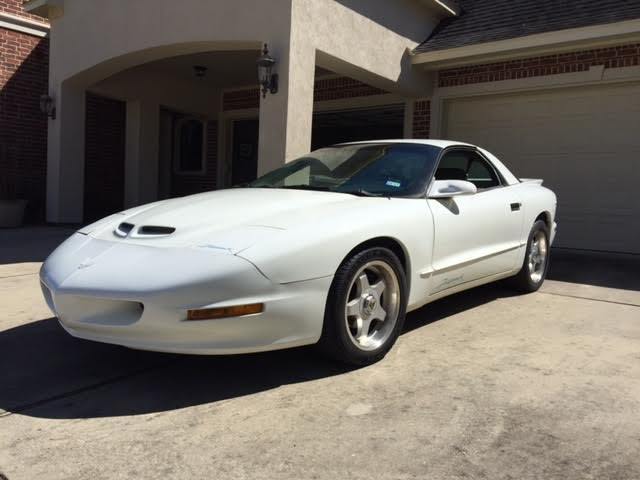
(152, 230)
(145, 231)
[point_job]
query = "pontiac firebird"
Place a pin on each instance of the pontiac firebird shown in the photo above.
(330, 249)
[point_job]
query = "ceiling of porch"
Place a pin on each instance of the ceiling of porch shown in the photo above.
(224, 69)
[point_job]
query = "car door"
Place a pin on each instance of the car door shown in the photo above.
(477, 235)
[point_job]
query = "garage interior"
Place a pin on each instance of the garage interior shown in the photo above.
(374, 123)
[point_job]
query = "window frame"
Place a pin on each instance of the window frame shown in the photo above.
(176, 146)
(472, 149)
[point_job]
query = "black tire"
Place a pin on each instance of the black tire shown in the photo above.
(523, 281)
(336, 340)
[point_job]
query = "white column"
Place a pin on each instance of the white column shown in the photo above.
(141, 154)
(65, 156)
(286, 117)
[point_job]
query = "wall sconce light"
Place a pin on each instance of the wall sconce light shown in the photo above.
(200, 71)
(268, 80)
(48, 106)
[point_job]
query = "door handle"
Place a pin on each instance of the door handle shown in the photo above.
(515, 207)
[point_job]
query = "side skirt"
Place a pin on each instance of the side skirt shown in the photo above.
(462, 287)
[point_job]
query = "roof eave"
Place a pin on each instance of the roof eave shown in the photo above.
(45, 8)
(536, 44)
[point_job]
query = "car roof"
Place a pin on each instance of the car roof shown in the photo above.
(509, 177)
(435, 143)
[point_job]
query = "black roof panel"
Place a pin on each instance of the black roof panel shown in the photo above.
(490, 20)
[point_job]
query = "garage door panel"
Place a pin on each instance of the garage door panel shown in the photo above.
(595, 231)
(584, 142)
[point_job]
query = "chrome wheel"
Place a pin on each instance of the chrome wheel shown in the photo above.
(538, 256)
(373, 305)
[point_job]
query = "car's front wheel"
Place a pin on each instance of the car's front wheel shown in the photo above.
(365, 308)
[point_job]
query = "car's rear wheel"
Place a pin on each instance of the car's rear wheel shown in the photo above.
(366, 307)
(536, 260)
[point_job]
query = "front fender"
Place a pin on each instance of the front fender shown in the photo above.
(316, 248)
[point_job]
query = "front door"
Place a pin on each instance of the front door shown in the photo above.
(104, 165)
(477, 235)
(244, 167)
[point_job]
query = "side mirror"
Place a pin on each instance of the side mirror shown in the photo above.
(451, 188)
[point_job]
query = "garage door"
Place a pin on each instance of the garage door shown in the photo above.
(584, 142)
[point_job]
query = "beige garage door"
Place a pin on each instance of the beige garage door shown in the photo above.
(584, 142)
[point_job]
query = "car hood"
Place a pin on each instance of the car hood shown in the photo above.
(227, 220)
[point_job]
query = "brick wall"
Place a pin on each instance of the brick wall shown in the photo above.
(342, 87)
(421, 119)
(610, 57)
(24, 71)
(104, 156)
(578, 61)
(14, 7)
(188, 184)
(325, 89)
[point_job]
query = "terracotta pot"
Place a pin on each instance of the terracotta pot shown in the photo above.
(12, 213)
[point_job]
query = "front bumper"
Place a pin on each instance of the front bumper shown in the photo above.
(138, 296)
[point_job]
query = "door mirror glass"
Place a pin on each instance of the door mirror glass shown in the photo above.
(451, 188)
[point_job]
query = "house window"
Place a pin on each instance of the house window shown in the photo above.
(189, 149)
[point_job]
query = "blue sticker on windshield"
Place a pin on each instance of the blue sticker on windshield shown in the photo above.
(391, 183)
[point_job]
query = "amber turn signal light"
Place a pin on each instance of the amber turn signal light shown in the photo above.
(225, 312)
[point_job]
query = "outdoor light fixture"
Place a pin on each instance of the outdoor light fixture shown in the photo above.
(200, 70)
(48, 106)
(268, 79)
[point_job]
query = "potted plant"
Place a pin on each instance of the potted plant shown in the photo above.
(11, 207)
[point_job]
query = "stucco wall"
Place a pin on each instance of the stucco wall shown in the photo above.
(367, 40)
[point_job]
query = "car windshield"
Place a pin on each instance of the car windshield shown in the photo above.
(372, 169)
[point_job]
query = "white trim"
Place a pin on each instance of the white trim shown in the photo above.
(23, 25)
(450, 6)
(536, 44)
(596, 75)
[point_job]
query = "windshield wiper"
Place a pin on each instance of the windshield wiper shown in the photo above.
(307, 187)
(364, 193)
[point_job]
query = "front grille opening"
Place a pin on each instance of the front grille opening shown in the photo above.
(155, 230)
(123, 229)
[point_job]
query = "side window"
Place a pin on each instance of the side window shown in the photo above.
(453, 166)
(467, 165)
(481, 174)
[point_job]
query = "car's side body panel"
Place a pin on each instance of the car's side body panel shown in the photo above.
(475, 236)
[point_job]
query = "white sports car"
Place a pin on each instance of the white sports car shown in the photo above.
(333, 248)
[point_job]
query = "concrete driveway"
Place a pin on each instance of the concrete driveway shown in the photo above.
(484, 384)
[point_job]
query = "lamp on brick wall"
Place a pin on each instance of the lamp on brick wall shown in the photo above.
(268, 80)
(48, 106)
